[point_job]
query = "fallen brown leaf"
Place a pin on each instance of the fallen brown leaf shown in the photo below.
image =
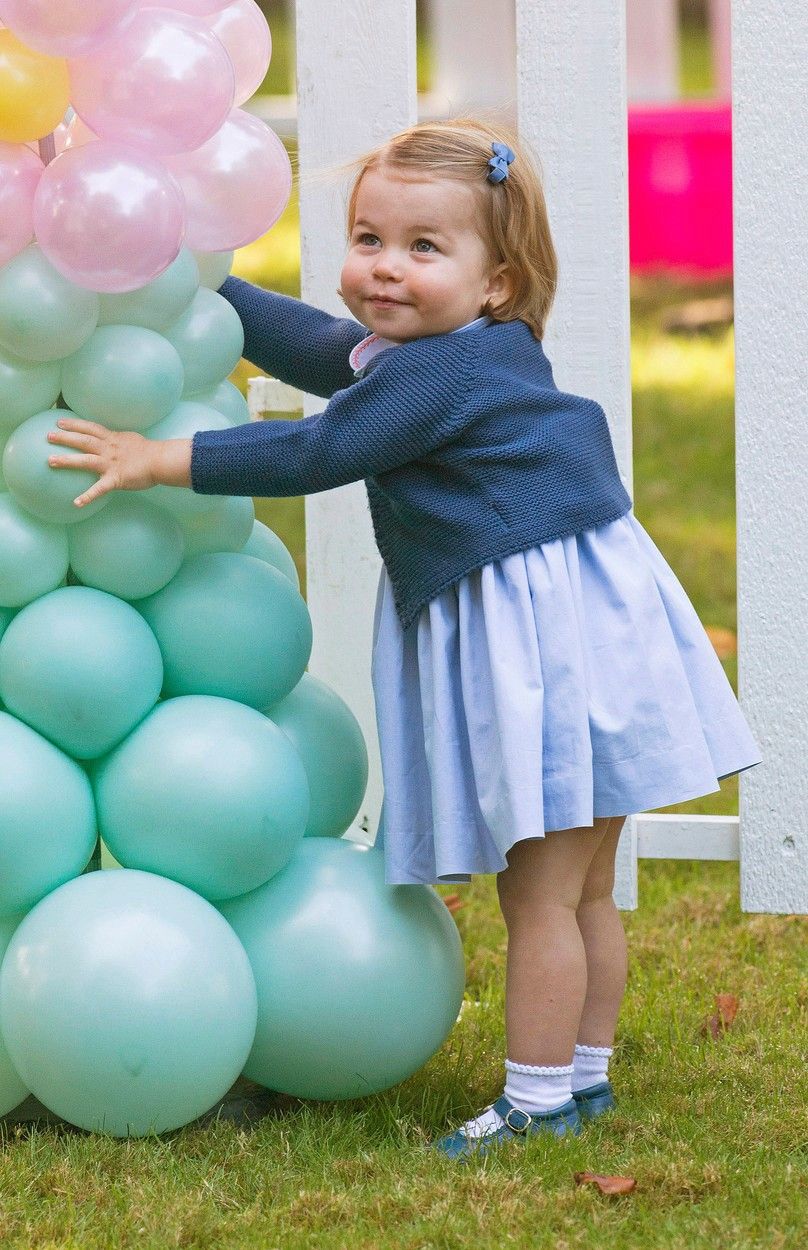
(611, 1185)
(454, 902)
(726, 1009)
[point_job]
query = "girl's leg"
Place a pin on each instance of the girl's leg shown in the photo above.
(546, 980)
(604, 941)
(545, 987)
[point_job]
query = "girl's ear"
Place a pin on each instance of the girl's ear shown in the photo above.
(499, 288)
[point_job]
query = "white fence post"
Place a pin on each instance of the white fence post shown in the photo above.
(571, 93)
(770, 167)
(356, 86)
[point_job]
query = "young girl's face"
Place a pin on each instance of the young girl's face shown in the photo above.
(416, 262)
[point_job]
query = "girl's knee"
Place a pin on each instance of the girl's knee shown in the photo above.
(599, 880)
(546, 872)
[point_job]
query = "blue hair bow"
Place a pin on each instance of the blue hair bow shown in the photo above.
(499, 162)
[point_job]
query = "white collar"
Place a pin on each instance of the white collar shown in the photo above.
(363, 352)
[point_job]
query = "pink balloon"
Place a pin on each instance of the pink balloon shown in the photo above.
(108, 217)
(20, 172)
(243, 30)
(198, 8)
(163, 83)
(236, 185)
(65, 27)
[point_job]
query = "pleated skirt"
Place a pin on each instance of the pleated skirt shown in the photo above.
(567, 682)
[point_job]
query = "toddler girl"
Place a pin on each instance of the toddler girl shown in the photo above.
(538, 670)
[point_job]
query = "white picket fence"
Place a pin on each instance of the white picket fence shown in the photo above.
(356, 86)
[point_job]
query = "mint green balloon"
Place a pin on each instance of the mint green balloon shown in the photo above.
(6, 617)
(225, 525)
(127, 1003)
(329, 741)
(185, 419)
(230, 625)
(359, 983)
(205, 791)
(226, 399)
(214, 267)
(264, 544)
(33, 555)
(26, 387)
(131, 549)
(209, 338)
(12, 1089)
(159, 302)
(43, 316)
(80, 667)
(47, 817)
(47, 492)
(125, 377)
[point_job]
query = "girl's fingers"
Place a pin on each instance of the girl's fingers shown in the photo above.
(99, 488)
(91, 463)
(82, 442)
(81, 426)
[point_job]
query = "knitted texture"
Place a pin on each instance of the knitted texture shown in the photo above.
(468, 449)
(314, 360)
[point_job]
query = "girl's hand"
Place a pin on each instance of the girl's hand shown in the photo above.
(123, 460)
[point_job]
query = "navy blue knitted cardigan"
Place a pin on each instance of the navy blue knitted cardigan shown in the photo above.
(468, 449)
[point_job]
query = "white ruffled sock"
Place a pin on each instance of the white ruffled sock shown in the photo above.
(538, 1089)
(590, 1066)
(532, 1089)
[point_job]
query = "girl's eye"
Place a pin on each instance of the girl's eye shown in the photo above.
(427, 244)
(369, 239)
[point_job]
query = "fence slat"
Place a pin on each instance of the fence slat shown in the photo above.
(571, 102)
(770, 173)
(356, 86)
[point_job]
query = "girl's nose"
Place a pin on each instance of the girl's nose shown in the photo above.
(387, 265)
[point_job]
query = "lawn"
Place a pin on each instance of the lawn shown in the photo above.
(712, 1130)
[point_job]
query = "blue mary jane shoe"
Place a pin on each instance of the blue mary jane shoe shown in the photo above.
(518, 1125)
(594, 1100)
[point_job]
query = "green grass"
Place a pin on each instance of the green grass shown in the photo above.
(713, 1131)
(696, 74)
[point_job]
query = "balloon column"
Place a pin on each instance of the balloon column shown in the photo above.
(153, 646)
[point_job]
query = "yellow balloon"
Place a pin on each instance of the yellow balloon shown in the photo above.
(34, 91)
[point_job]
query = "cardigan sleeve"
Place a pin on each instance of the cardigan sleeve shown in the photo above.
(294, 341)
(415, 399)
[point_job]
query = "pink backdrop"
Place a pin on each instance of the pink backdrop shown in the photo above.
(680, 188)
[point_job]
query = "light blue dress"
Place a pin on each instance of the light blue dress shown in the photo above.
(567, 682)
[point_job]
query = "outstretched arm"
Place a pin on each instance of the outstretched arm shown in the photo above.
(416, 400)
(293, 341)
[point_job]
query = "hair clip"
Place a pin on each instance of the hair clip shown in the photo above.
(499, 162)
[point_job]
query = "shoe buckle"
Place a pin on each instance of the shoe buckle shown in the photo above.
(517, 1128)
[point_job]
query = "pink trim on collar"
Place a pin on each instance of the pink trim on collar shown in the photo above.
(369, 347)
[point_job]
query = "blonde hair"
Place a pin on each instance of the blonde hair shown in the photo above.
(512, 214)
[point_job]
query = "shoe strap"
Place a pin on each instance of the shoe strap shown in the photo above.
(516, 1119)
